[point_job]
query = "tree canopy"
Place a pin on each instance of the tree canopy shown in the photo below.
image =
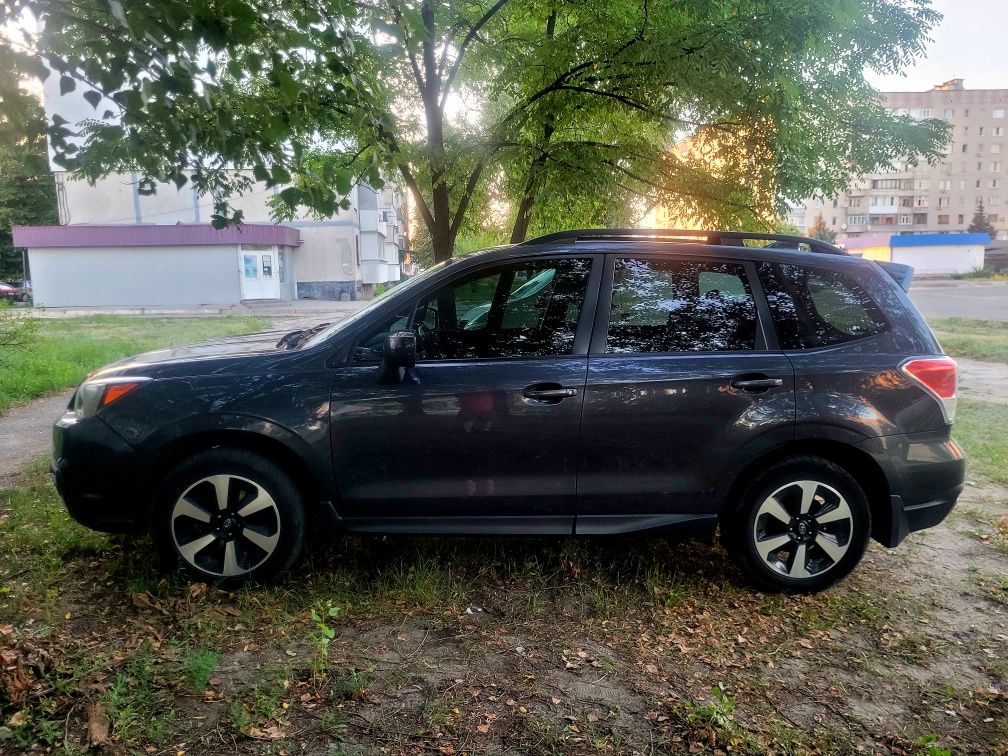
(533, 115)
(27, 192)
(819, 230)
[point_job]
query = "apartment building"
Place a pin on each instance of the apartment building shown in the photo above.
(117, 246)
(941, 198)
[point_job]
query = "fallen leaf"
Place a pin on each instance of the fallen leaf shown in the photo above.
(17, 719)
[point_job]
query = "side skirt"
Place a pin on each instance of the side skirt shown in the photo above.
(678, 525)
(462, 525)
(682, 525)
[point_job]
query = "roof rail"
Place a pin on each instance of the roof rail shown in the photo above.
(721, 238)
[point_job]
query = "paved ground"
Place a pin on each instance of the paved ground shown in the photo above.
(26, 433)
(984, 300)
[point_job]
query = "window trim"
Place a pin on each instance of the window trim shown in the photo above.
(582, 335)
(603, 309)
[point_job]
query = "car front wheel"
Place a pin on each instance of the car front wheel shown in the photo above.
(229, 516)
(800, 526)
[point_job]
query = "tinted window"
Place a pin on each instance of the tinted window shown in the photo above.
(813, 307)
(521, 310)
(672, 305)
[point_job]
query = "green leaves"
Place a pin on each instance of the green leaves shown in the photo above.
(561, 114)
(291, 196)
(27, 190)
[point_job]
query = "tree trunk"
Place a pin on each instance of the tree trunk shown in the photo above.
(441, 237)
(524, 216)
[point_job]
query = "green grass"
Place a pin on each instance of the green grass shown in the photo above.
(69, 348)
(198, 666)
(988, 274)
(978, 339)
(982, 429)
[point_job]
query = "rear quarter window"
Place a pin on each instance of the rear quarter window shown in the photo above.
(815, 307)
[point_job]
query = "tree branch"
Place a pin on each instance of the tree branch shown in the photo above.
(465, 199)
(484, 19)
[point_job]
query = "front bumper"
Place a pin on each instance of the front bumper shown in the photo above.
(95, 472)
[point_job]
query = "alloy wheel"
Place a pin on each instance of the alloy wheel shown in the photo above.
(803, 529)
(225, 525)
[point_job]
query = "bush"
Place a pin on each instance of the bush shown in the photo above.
(18, 329)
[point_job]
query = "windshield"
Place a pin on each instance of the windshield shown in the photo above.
(330, 331)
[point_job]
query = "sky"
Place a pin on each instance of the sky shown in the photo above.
(969, 43)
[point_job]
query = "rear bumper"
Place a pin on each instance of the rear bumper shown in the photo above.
(925, 473)
(94, 470)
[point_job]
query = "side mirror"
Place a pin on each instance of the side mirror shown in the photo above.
(400, 354)
(400, 349)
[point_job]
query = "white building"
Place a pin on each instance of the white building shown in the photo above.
(927, 254)
(115, 246)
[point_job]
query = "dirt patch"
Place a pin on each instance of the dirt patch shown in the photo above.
(983, 381)
(511, 646)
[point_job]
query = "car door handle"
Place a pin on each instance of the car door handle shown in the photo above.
(757, 384)
(548, 392)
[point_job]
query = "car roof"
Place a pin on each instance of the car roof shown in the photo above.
(725, 244)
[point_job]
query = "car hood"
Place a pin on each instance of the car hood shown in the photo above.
(201, 357)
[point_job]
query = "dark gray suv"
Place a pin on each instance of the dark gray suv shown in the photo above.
(585, 383)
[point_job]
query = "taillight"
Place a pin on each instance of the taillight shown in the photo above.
(937, 376)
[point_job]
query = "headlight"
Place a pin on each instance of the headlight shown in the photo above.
(92, 395)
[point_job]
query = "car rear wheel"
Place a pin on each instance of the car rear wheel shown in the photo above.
(800, 526)
(229, 516)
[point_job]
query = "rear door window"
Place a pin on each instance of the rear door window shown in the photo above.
(815, 307)
(676, 305)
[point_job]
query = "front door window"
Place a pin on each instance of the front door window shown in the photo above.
(523, 310)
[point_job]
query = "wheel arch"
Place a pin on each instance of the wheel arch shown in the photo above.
(857, 463)
(174, 453)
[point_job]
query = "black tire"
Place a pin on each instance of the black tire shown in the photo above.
(258, 535)
(823, 544)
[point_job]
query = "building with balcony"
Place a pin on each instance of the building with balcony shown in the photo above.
(117, 247)
(941, 198)
(110, 234)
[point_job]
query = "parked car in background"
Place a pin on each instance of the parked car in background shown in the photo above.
(583, 383)
(13, 293)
